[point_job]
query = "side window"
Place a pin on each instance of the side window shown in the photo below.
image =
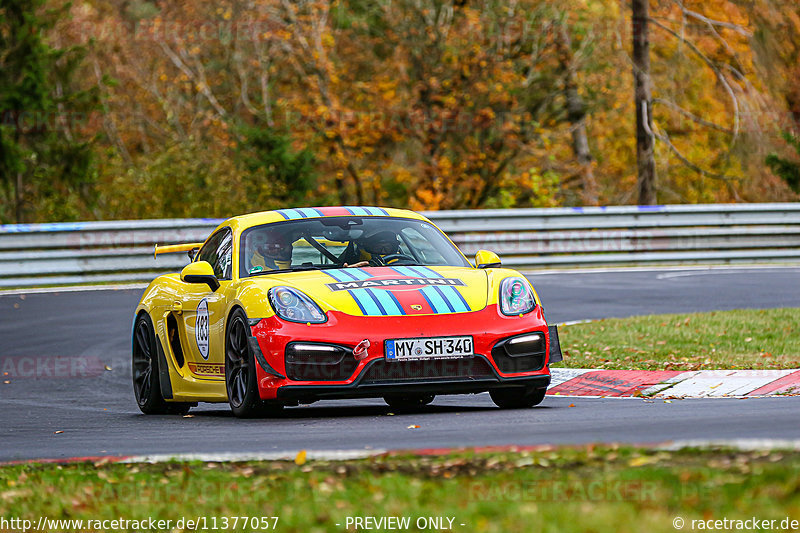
(218, 251)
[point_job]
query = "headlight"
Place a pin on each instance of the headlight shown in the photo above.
(516, 297)
(294, 306)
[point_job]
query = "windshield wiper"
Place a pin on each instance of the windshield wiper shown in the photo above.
(299, 268)
(305, 268)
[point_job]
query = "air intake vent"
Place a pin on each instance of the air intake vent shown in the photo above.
(310, 361)
(382, 371)
(522, 353)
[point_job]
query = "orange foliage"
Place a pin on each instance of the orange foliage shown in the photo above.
(435, 104)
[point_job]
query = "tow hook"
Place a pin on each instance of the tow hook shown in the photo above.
(360, 351)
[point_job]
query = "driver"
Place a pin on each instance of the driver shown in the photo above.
(271, 251)
(373, 248)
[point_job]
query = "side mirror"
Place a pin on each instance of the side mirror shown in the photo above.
(486, 259)
(200, 272)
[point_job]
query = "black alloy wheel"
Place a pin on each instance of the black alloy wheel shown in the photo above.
(241, 381)
(145, 372)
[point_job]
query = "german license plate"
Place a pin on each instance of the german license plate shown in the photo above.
(429, 348)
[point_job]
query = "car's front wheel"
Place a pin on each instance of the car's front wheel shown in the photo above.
(145, 372)
(517, 398)
(241, 381)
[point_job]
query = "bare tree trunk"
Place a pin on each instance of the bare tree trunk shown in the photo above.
(644, 120)
(576, 114)
(340, 189)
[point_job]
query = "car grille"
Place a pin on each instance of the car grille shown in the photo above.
(382, 371)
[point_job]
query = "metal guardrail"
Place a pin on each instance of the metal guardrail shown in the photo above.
(87, 252)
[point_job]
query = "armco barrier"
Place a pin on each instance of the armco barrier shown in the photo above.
(64, 253)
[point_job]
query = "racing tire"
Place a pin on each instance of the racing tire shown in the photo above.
(145, 372)
(241, 381)
(408, 402)
(516, 399)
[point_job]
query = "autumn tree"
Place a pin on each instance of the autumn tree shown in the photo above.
(645, 158)
(243, 105)
(576, 109)
(46, 158)
(703, 87)
(787, 169)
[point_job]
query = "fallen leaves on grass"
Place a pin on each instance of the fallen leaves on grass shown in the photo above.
(300, 458)
(642, 460)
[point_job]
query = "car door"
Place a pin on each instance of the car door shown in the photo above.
(203, 310)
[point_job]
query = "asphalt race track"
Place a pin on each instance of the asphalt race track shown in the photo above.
(97, 415)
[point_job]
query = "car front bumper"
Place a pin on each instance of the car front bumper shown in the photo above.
(374, 376)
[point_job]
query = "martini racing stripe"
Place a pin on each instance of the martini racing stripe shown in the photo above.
(347, 274)
(444, 303)
(442, 298)
(437, 302)
(405, 271)
(454, 297)
(416, 272)
(366, 211)
(389, 302)
(302, 212)
(309, 212)
(338, 275)
(365, 303)
(425, 272)
(376, 303)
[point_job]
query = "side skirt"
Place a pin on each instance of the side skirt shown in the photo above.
(163, 372)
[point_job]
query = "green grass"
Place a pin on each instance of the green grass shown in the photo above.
(741, 339)
(593, 488)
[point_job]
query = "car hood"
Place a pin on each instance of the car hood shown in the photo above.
(391, 291)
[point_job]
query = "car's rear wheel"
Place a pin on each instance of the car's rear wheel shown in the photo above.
(517, 398)
(241, 380)
(408, 402)
(145, 371)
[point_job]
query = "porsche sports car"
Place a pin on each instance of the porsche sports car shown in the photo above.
(296, 305)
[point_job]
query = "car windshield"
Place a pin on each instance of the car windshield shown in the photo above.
(333, 242)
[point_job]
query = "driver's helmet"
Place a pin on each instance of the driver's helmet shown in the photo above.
(274, 247)
(381, 243)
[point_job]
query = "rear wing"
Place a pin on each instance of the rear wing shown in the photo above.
(173, 248)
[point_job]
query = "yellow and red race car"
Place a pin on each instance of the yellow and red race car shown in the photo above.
(296, 305)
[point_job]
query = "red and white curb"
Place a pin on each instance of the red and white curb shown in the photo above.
(673, 383)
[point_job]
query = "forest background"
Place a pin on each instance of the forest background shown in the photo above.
(129, 109)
